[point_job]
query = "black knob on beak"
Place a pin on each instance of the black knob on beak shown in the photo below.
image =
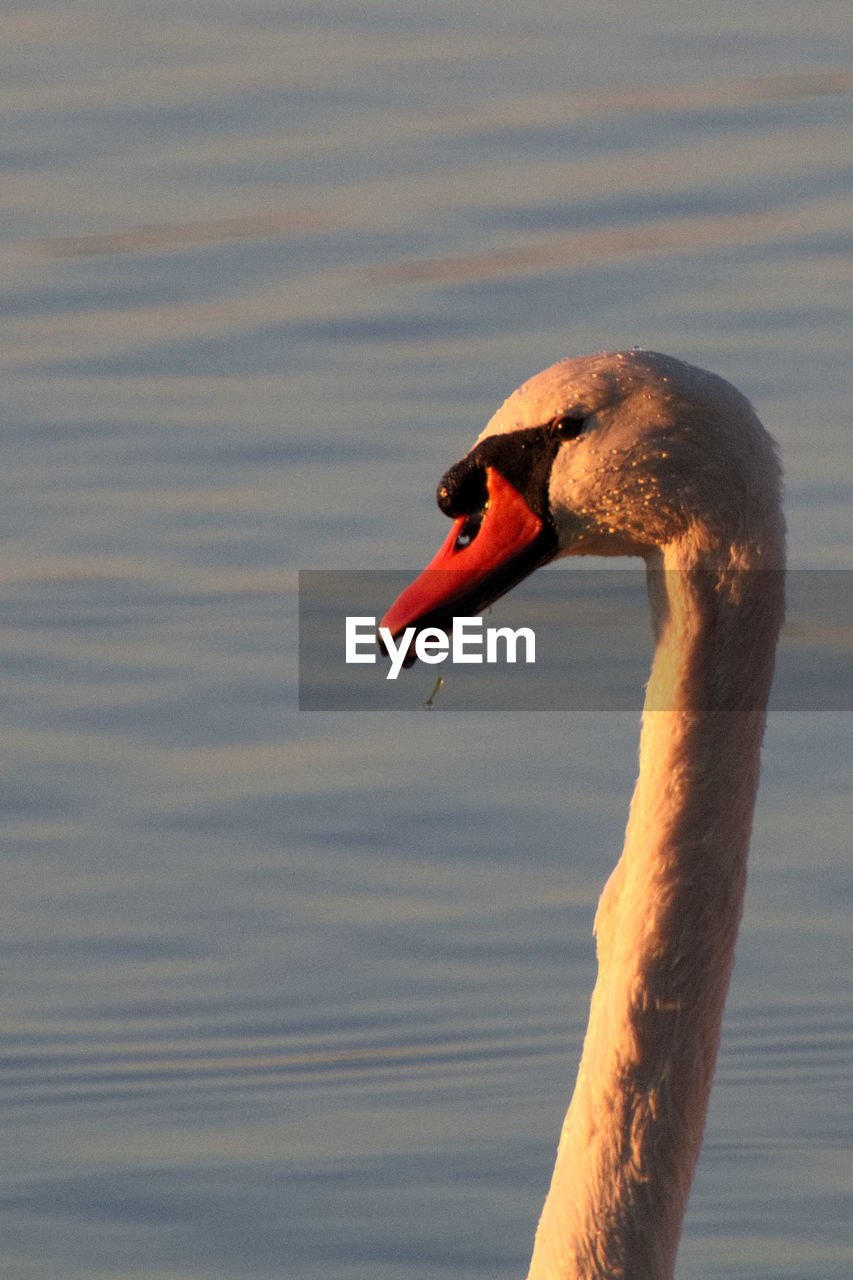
(463, 489)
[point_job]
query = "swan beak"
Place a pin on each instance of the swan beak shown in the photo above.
(485, 554)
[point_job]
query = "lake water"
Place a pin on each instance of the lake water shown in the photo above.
(295, 994)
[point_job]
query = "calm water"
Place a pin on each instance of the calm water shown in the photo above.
(301, 995)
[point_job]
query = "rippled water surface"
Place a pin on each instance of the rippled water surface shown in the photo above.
(293, 994)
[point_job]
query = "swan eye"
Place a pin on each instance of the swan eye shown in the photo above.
(568, 426)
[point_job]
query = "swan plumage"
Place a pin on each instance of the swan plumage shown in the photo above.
(637, 453)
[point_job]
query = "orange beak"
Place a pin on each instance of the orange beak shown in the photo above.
(469, 573)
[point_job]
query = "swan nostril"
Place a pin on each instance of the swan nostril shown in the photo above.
(469, 530)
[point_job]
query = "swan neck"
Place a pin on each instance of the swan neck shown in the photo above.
(666, 928)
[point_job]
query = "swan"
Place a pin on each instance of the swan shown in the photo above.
(637, 453)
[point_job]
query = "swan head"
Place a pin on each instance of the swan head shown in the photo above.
(626, 453)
